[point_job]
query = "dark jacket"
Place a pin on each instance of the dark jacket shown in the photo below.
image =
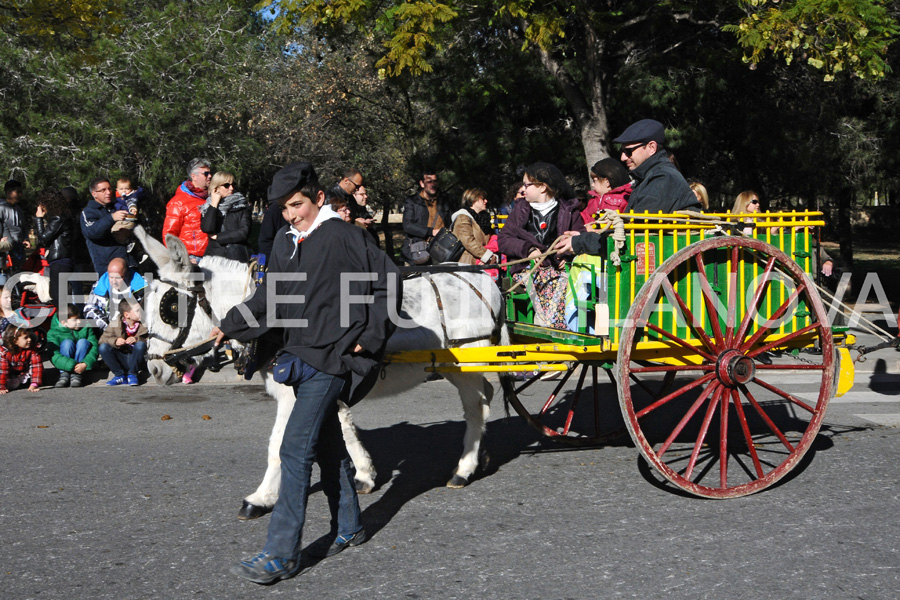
(56, 235)
(13, 222)
(326, 257)
(415, 221)
(58, 334)
(96, 224)
(272, 223)
(515, 241)
(232, 233)
(660, 187)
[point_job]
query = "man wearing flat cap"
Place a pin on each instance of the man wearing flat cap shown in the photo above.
(659, 185)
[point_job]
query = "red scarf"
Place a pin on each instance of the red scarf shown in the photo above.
(196, 191)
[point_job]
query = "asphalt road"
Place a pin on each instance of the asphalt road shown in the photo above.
(102, 498)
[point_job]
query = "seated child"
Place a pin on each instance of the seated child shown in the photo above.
(75, 347)
(127, 200)
(20, 364)
(124, 344)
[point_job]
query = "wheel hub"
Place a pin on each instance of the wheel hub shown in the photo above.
(734, 369)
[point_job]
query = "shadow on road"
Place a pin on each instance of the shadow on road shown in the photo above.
(414, 459)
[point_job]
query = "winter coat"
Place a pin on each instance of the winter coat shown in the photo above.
(183, 221)
(616, 199)
(13, 222)
(232, 232)
(472, 237)
(96, 224)
(116, 330)
(516, 242)
(56, 235)
(416, 225)
(332, 255)
(58, 334)
(661, 187)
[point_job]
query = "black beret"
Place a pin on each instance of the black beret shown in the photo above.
(292, 177)
(613, 170)
(553, 177)
(645, 130)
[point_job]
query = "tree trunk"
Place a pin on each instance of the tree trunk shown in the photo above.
(845, 236)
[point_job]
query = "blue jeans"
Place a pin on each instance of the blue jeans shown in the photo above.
(75, 350)
(313, 432)
(123, 362)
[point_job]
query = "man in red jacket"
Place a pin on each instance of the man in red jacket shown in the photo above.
(183, 210)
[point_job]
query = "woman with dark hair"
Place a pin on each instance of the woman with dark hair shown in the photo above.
(54, 227)
(549, 210)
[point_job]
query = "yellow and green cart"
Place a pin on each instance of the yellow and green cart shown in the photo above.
(722, 353)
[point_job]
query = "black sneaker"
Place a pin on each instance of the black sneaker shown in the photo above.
(265, 569)
(63, 380)
(75, 380)
(340, 543)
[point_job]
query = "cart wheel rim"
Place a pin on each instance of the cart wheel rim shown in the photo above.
(731, 429)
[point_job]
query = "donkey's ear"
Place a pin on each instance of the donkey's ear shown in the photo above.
(154, 248)
(181, 260)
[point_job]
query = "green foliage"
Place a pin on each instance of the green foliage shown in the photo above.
(829, 35)
(70, 23)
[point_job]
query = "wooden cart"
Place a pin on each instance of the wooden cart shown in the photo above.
(701, 334)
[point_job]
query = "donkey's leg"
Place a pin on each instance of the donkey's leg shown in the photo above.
(263, 499)
(476, 393)
(365, 470)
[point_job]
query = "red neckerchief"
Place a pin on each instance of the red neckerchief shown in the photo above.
(196, 191)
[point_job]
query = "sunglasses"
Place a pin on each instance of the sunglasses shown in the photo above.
(629, 151)
(227, 185)
(754, 202)
(206, 173)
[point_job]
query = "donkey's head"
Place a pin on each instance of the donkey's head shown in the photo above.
(171, 314)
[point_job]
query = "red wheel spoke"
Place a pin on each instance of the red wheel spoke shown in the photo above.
(673, 368)
(767, 419)
(785, 395)
(723, 440)
(680, 342)
(732, 297)
(687, 417)
(706, 378)
(745, 427)
(775, 317)
(555, 393)
(753, 307)
(784, 340)
(571, 414)
(701, 436)
(708, 296)
(694, 324)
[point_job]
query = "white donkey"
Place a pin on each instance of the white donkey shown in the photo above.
(437, 309)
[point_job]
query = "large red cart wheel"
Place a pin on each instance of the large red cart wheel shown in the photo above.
(576, 416)
(729, 427)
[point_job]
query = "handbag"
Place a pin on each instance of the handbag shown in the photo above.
(290, 370)
(445, 247)
(419, 250)
(418, 253)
